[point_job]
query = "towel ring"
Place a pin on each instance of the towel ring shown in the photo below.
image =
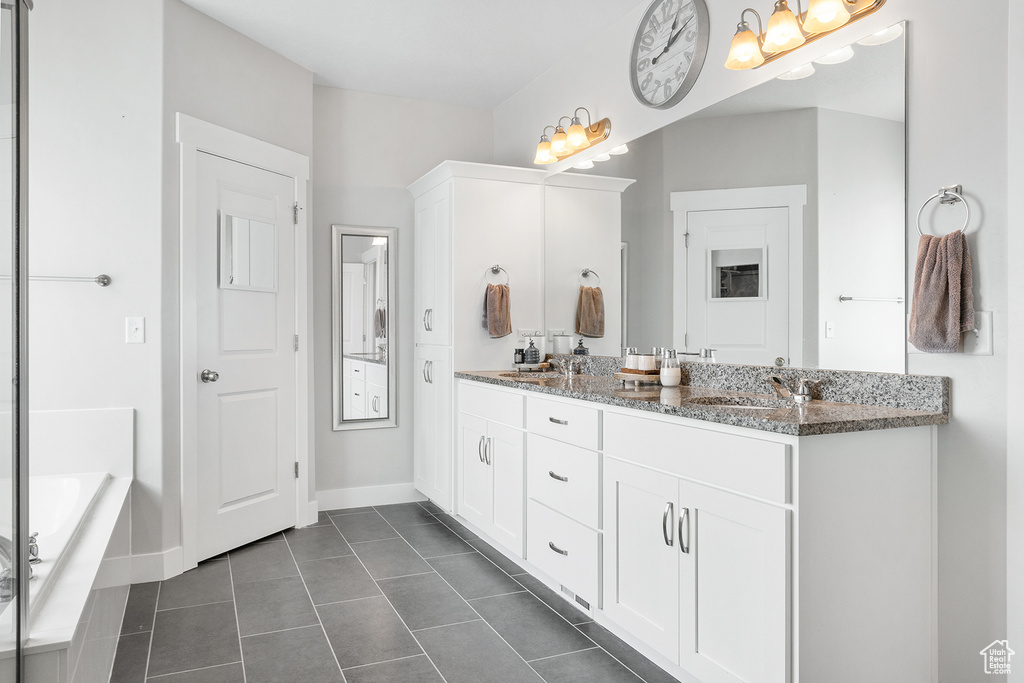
(587, 272)
(494, 270)
(946, 195)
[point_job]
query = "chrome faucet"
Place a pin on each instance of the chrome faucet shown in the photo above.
(779, 386)
(570, 366)
(799, 391)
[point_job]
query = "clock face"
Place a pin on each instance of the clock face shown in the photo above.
(668, 51)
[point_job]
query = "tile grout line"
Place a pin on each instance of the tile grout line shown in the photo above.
(310, 596)
(391, 605)
(563, 654)
(457, 623)
(201, 604)
(238, 625)
(152, 629)
(386, 661)
(187, 671)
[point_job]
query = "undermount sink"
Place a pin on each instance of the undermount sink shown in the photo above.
(746, 402)
(526, 376)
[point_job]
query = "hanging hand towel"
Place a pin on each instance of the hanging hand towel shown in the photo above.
(590, 312)
(943, 305)
(380, 321)
(499, 311)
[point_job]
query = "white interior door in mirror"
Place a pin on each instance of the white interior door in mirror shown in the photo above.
(737, 284)
(352, 328)
(248, 254)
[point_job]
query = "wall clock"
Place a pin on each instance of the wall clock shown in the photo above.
(668, 51)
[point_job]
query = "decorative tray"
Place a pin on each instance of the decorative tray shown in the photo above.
(637, 378)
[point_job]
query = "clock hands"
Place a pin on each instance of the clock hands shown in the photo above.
(673, 38)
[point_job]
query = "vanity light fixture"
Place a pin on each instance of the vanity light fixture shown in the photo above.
(788, 31)
(886, 35)
(843, 54)
(584, 165)
(621, 149)
(565, 143)
(801, 72)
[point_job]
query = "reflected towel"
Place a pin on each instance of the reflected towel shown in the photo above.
(943, 304)
(498, 309)
(380, 322)
(590, 312)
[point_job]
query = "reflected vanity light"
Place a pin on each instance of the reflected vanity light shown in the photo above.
(843, 54)
(584, 165)
(621, 149)
(882, 37)
(564, 143)
(602, 157)
(787, 31)
(798, 73)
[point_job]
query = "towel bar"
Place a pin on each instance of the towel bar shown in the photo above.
(897, 300)
(587, 272)
(495, 269)
(102, 280)
(950, 194)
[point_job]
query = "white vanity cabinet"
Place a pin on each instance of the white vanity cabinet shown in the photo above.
(433, 276)
(491, 454)
(365, 389)
(432, 440)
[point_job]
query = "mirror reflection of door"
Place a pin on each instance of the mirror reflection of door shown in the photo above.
(363, 289)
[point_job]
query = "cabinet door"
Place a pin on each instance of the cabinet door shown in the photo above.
(432, 451)
(476, 493)
(505, 453)
(433, 266)
(734, 587)
(641, 558)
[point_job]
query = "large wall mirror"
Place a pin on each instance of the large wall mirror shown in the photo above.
(791, 195)
(363, 295)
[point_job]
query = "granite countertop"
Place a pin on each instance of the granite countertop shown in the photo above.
(370, 357)
(808, 419)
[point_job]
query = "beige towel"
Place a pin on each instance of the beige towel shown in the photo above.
(943, 305)
(498, 310)
(590, 312)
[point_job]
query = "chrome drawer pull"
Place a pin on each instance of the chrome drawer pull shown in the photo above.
(557, 549)
(558, 422)
(555, 476)
(684, 517)
(480, 448)
(666, 528)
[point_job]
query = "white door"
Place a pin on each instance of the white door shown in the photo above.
(737, 284)
(245, 326)
(506, 447)
(432, 428)
(476, 478)
(353, 332)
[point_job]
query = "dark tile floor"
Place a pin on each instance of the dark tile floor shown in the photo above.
(389, 594)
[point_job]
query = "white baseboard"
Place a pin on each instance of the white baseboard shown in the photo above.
(339, 499)
(157, 566)
(312, 513)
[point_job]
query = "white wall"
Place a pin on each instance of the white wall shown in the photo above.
(367, 150)
(1015, 369)
(95, 207)
(956, 134)
(861, 245)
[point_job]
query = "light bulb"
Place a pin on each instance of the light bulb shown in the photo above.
(843, 54)
(825, 15)
(543, 151)
(558, 141)
(883, 36)
(577, 137)
(745, 52)
(783, 30)
(797, 73)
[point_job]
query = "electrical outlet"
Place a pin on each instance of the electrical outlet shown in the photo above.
(552, 332)
(526, 333)
(134, 330)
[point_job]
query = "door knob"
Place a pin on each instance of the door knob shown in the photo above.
(209, 376)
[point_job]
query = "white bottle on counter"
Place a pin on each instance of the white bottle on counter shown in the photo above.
(671, 374)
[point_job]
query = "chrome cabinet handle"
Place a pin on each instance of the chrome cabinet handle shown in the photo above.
(425, 327)
(684, 517)
(431, 319)
(373, 405)
(480, 448)
(209, 376)
(666, 528)
(356, 393)
(557, 549)
(428, 319)
(425, 371)
(555, 476)
(558, 422)
(487, 451)
(430, 372)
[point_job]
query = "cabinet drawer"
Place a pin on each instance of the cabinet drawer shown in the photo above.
(743, 464)
(377, 374)
(491, 404)
(576, 424)
(563, 477)
(563, 549)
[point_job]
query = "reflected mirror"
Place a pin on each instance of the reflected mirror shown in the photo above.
(247, 254)
(749, 220)
(363, 294)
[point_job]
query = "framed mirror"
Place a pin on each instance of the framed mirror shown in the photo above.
(363, 297)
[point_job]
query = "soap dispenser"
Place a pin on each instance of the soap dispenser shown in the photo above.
(532, 354)
(580, 349)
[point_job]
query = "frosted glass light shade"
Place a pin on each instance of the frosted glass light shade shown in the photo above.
(883, 36)
(584, 165)
(577, 137)
(843, 54)
(621, 149)
(783, 30)
(825, 15)
(745, 52)
(798, 73)
(543, 152)
(558, 141)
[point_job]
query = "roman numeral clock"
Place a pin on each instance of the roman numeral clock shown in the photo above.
(668, 51)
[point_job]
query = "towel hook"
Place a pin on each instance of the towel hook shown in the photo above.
(587, 272)
(950, 194)
(494, 270)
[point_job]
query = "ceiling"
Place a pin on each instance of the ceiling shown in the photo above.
(472, 53)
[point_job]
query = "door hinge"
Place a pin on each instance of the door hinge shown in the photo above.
(295, 213)
(686, 339)
(686, 240)
(296, 342)
(296, 469)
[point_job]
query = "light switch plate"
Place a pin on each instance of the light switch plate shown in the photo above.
(830, 329)
(980, 344)
(553, 331)
(134, 330)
